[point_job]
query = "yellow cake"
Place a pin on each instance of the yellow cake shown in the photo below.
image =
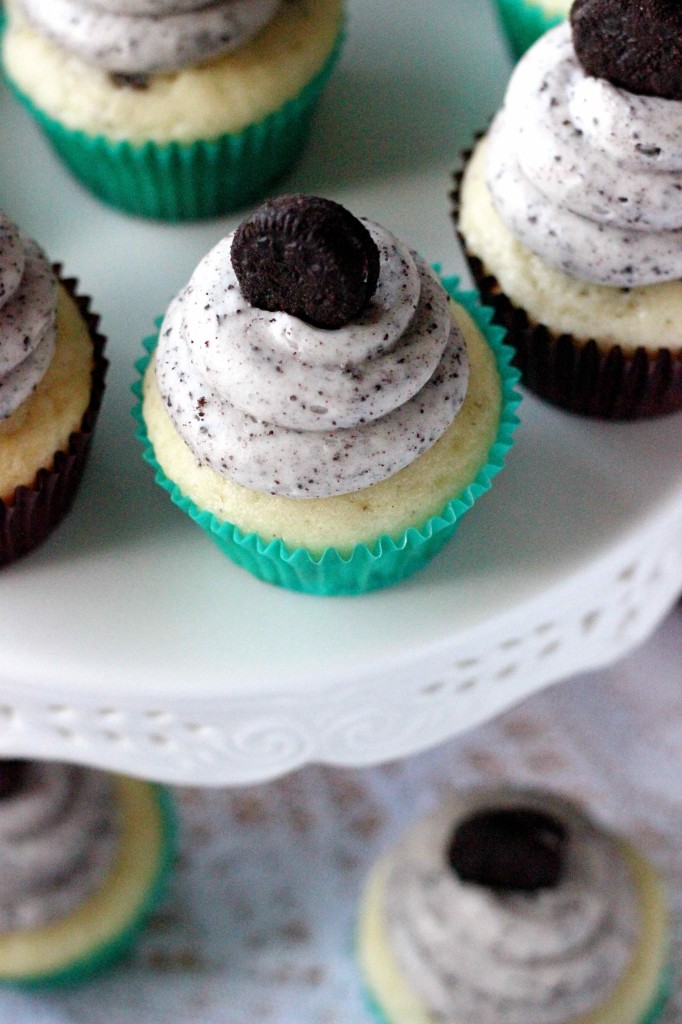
(43, 424)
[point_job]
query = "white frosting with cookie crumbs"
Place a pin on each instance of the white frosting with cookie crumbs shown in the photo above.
(586, 175)
(143, 37)
(479, 956)
(280, 406)
(28, 314)
(57, 843)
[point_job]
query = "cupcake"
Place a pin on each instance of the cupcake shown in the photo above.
(570, 216)
(84, 859)
(319, 405)
(173, 109)
(505, 907)
(524, 21)
(51, 383)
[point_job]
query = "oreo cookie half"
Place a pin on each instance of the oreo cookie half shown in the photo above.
(13, 777)
(306, 256)
(510, 850)
(634, 44)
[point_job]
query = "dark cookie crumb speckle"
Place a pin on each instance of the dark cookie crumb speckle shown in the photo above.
(125, 81)
(306, 256)
(511, 849)
(635, 44)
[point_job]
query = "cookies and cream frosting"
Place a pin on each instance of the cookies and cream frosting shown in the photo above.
(281, 406)
(479, 956)
(141, 37)
(28, 304)
(57, 843)
(586, 175)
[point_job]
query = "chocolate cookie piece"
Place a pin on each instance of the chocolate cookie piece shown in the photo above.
(306, 256)
(635, 44)
(511, 850)
(13, 777)
(128, 81)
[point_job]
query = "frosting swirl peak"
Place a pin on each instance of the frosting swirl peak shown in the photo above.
(587, 175)
(57, 839)
(279, 405)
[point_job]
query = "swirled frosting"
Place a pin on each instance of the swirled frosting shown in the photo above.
(57, 839)
(586, 175)
(140, 37)
(283, 407)
(477, 956)
(28, 303)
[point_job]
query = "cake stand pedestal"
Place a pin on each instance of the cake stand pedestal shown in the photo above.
(127, 641)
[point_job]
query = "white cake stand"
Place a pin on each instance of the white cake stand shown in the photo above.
(129, 643)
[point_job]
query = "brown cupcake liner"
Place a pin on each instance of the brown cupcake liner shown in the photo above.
(590, 378)
(35, 511)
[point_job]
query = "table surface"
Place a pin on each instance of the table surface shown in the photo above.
(259, 922)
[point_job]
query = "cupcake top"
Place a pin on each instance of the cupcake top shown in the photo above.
(510, 906)
(585, 169)
(142, 37)
(57, 839)
(311, 354)
(28, 304)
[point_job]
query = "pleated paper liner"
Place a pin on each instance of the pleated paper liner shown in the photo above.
(34, 512)
(523, 23)
(590, 378)
(189, 181)
(388, 560)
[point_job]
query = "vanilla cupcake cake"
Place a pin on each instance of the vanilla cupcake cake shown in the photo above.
(51, 383)
(84, 857)
(569, 211)
(173, 109)
(506, 907)
(319, 404)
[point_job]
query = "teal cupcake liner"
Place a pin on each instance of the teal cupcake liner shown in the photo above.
(524, 22)
(189, 181)
(366, 568)
(107, 953)
(652, 1016)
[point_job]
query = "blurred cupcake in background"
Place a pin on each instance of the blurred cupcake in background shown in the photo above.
(509, 906)
(85, 858)
(176, 109)
(524, 21)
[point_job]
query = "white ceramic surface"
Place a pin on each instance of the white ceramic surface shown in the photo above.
(129, 642)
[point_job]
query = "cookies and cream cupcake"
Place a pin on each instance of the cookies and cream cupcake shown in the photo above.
(51, 383)
(508, 906)
(524, 21)
(173, 109)
(319, 403)
(569, 211)
(84, 857)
